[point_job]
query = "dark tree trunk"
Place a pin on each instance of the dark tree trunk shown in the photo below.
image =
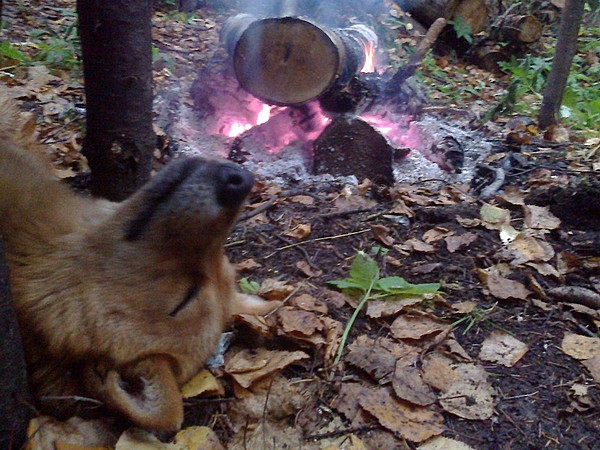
(561, 64)
(188, 6)
(116, 42)
(15, 410)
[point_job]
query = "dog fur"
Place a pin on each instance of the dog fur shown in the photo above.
(120, 302)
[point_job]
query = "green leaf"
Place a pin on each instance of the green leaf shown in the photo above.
(364, 269)
(249, 287)
(392, 283)
(348, 283)
(9, 51)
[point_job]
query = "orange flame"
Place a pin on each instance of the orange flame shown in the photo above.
(369, 65)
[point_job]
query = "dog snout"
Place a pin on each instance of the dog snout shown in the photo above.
(233, 185)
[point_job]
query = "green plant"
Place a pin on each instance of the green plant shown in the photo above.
(158, 56)
(249, 287)
(462, 29)
(365, 280)
(474, 317)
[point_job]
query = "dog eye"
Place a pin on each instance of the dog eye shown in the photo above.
(190, 294)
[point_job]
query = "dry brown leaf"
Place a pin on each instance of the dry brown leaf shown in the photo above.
(540, 218)
(257, 324)
(414, 423)
(309, 303)
(198, 438)
(203, 383)
(454, 243)
(378, 357)
(382, 234)
(470, 396)
(138, 439)
(438, 371)
(503, 288)
(580, 347)
(348, 442)
(443, 443)
(307, 269)
(494, 217)
(386, 308)
(464, 307)
(416, 245)
(45, 433)
(502, 348)
(436, 234)
(593, 365)
(408, 385)
(302, 199)
(468, 223)
(248, 367)
(246, 264)
(416, 326)
(300, 231)
(346, 402)
(524, 249)
(271, 289)
(301, 324)
(513, 196)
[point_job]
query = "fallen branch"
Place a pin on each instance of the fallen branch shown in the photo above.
(416, 59)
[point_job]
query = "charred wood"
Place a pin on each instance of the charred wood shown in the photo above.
(351, 146)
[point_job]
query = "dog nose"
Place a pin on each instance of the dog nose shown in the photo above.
(233, 185)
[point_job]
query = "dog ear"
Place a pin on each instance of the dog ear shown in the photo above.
(146, 392)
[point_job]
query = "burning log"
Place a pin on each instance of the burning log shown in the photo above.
(289, 60)
(473, 12)
(351, 146)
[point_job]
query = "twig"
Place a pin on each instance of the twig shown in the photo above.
(325, 238)
(345, 213)
(416, 59)
(283, 303)
(256, 211)
(337, 433)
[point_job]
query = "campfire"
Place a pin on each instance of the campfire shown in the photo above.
(290, 88)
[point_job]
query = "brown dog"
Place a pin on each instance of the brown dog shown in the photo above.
(121, 302)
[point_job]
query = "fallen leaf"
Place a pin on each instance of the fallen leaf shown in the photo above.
(436, 234)
(346, 402)
(468, 223)
(580, 347)
(382, 234)
(494, 217)
(271, 289)
(438, 371)
(502, 348)
(414, 423)
(45, 433)
(416, 245)
(247, 264)
(386, 308)
(247, 366)
(464, 307)
(443, 443)
(593, 365)
(416, 326)
(513, 196)
(303, 199)
(378, 357)
(300, 231)
(301, 324)
(454, 243)
(408, 385)
(540, 218)
(198, 438)
(503, 288)
(307, 269)
(203, 383)
(138, 439)
(470, 396)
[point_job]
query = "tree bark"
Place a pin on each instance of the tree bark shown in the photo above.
(566, 46)
(15, 410)
(116, 43)
(473, 12)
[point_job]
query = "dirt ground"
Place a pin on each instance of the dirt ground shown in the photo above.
(294, 239)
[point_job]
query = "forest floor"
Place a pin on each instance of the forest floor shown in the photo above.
(505, 356)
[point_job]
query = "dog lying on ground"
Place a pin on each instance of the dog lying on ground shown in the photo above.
(119, 302)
